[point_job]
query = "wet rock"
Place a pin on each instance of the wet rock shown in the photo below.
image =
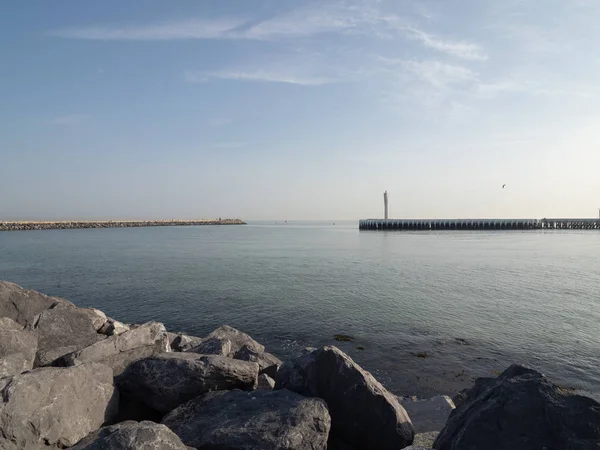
(428, 414)
(120, 350)
(132, 436)
(97, 317)
(363, 413)
(23, 305)
(265, 382)
(55, 407)
(343, 338)
(252, 420)
(521, 409)
(17, 348)
(63, 326)
(165, 381)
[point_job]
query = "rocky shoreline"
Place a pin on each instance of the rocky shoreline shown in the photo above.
(76, 224)
(72, 377)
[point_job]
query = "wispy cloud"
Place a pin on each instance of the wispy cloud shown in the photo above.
(440, 74)
(69, 119)
(260, 75)
(460, 49)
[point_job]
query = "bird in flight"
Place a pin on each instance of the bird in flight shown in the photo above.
(503, 186)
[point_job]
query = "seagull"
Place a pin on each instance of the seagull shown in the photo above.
(503, 186)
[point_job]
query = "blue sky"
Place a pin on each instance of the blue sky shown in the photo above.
(276, 109)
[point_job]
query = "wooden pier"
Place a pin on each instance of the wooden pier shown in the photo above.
(478, 224)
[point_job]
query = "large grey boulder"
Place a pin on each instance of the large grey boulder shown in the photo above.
(55, 407)
(167, 380)
(236, 420)
(230, 342)
(183, 343)
(120, 350)
(429, 414)
(212, 346)
(22, 305)
(17, 348)
(521, 409)
(97, 317)
(61, 330)
(132, 435)
(363, 413)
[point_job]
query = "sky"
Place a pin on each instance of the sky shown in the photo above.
(299, 110)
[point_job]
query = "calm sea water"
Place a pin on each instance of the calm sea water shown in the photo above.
(472, 302)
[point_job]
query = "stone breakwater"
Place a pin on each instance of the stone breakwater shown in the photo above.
(74, 378)
(74, 224)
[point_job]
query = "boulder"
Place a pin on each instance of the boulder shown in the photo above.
(132, 436)
(120, 350)
(97, 317)
(212, 346)
(183, 343)
(63, 327)
(265, 382)
(55, 407)
(113, 327)
(227, 341)
(426, 439)
(252, 420)
(267, 363)
(428, 414)
(363, 413)
(236, 338)
(167, 380)
(521, 409)
(17, 348)
(22, 305)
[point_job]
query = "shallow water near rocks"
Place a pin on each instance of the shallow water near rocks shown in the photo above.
(427, 312)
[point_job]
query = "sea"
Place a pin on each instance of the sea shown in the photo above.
(427, 312)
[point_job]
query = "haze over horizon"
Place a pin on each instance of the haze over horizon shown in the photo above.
(273, 110)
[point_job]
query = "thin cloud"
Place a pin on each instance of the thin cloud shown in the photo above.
(440, 74)
(259, 75)
(460, 49)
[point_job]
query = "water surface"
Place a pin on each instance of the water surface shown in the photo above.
(473, 302)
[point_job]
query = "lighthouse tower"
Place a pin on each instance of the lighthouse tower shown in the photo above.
(385, 205)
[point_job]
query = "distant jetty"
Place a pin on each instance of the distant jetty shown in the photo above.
(76, 224)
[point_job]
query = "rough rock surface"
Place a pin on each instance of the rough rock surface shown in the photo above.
(114, 327)
(212, 346)
(132, 436)
(17, 348)
(22, 305)
(267, 363)
(425, 439)
(165, 381)
(234, 420)
(428, 414)
(97, 317)
(363, 413)
(265, 382)
(230, 342)
(120, 350)
(183, 342)
(60, 327)
(521, 410)
(55, 407)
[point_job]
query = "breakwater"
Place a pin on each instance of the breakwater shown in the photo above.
(75, 224)
(479, 224)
